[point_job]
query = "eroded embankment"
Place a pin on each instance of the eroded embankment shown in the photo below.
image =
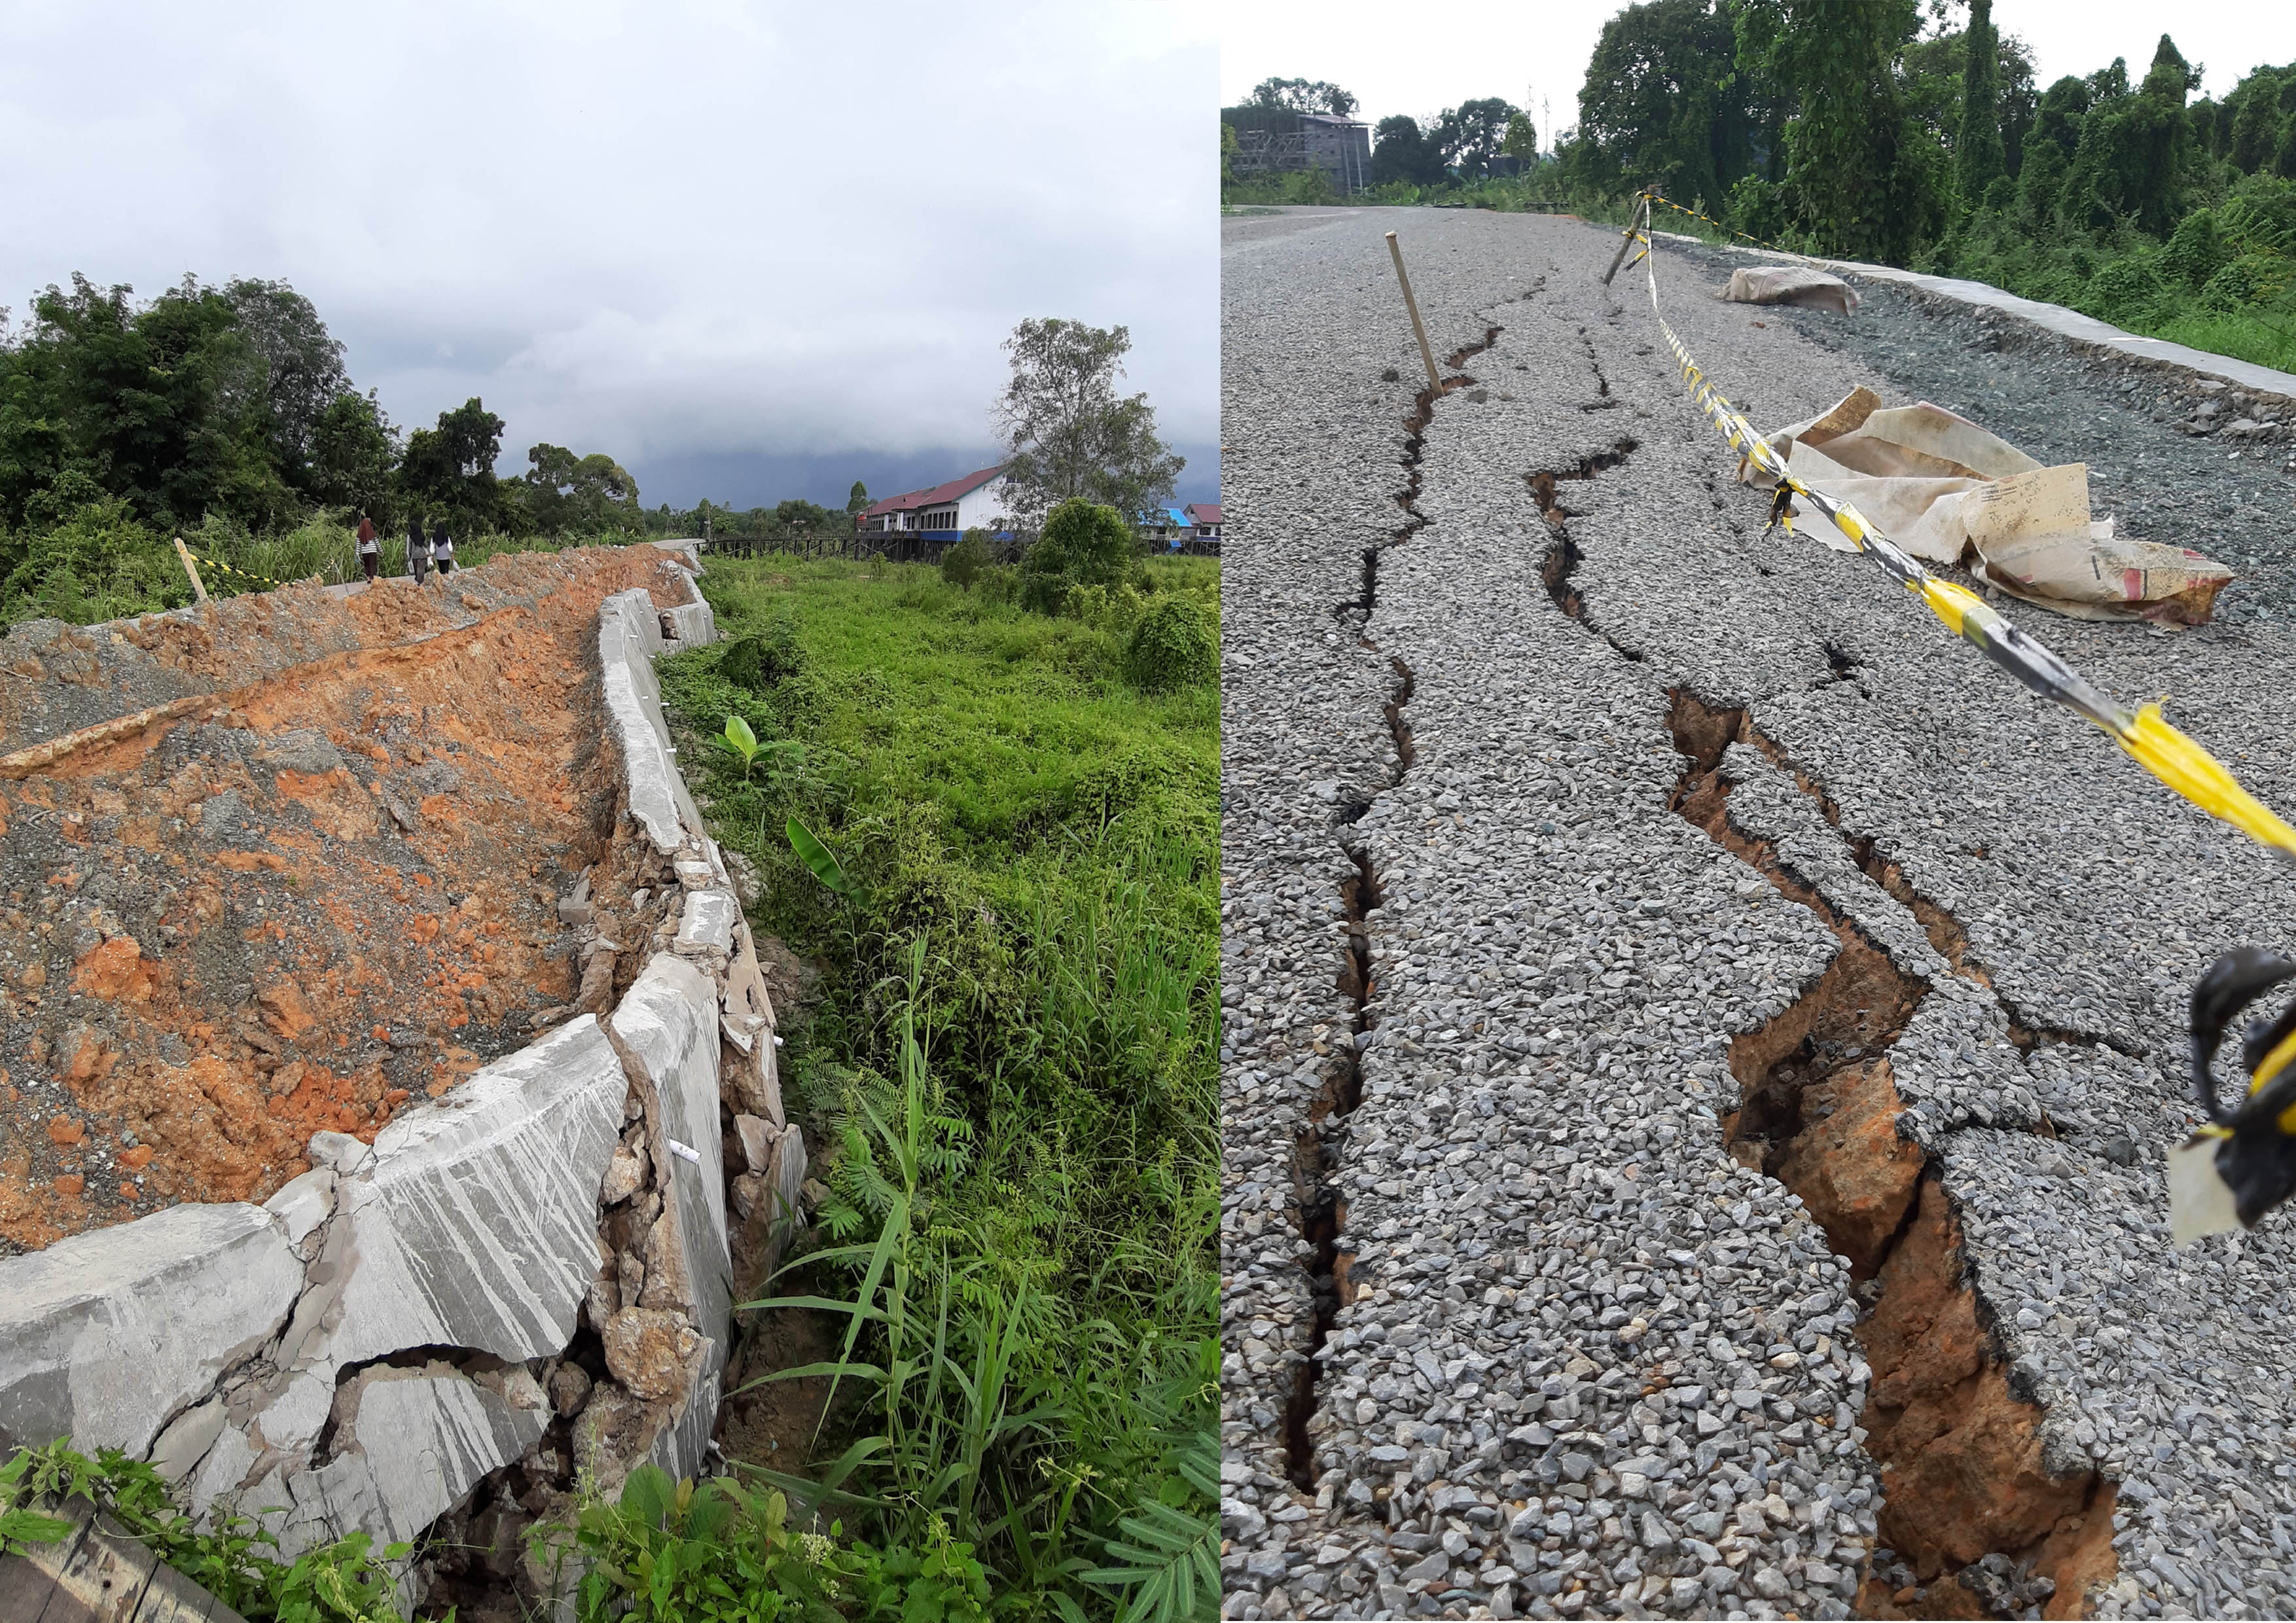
(1319, 1142)
(1978, 1525)
(231, 918)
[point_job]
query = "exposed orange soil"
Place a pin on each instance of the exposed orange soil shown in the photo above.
(324, 893)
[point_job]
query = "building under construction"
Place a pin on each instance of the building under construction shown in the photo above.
(1340, 147)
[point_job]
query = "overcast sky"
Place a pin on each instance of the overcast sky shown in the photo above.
(1535, 52)
(749, 249)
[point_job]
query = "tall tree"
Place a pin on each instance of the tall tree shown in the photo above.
(566, 494)
(1862, 174)
(1663, 103)
(449, 470)
(1068, 433)
(856, 498)
(1401, 152)
(354, 457)
(2130, 160)
(302, 367)
(1978, 160)
(1303, 95)
(2049, 147)
(161, 405)
(2254, 130)
(1470, 134)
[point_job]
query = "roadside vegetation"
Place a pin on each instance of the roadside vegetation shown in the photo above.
(983, 802)
(983, 798)
(345, 1582)
(225, 415)
(1895, 132)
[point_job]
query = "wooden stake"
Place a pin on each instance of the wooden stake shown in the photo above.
(1434, 378)
(1642, 213)
(191, 569)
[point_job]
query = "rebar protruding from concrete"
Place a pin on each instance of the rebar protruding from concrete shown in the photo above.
(1434, 378)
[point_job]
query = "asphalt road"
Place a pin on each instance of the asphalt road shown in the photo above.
(1573, 1355)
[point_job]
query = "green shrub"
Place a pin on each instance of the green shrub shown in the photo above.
(763, 659)
(337, 1583)
(1310, 185)
(1001, 582)
(716, 1552)
(2125, 290)
(1083, 544)
(2193, 253)
(1176, 644)
(97, 561)
(962, 564)
(2252, 279)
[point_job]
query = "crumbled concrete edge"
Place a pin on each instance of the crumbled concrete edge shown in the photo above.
(359, 1351)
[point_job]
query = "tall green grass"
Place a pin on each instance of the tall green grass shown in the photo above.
(1011, 1067)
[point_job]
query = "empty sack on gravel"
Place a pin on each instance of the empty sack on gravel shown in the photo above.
(1948, 491)
(1799, 284)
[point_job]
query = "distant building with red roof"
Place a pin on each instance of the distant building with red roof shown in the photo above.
(981, 500)
(1205, 516)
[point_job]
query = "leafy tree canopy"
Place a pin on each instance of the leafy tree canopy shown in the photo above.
(165, 406)
(1664, 104)
(1066, 431)
(449, 470)
(587, 494)
(1401, 152)
(1470, 134)
(1303, 95)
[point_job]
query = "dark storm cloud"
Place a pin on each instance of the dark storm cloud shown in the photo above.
(688, 235)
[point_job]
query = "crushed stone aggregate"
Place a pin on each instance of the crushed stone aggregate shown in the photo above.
(1590, 1364)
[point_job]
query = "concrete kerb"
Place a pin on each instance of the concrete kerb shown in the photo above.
(259, 1354)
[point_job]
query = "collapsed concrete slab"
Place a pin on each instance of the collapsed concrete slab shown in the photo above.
(474, 1225)
(408, 1444)
(106, 1335)
(361, 1350)
(669, 1020)
(629, 636)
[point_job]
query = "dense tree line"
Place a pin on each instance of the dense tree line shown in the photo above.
(227, 411)
(1911, 131)
(1864, 128)
(233, 401)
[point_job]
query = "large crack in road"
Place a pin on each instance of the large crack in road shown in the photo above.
(1731, 1176)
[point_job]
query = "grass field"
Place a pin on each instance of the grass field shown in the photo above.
(1009, 1070)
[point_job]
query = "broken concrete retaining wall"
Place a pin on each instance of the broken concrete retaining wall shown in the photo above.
(530, 1274)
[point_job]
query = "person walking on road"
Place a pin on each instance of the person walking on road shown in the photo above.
(442, 549)
(418, 551)
(370, 550)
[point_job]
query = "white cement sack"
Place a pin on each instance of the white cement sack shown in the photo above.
(1796, 284)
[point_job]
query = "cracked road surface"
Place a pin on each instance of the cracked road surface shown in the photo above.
(1700, 1043)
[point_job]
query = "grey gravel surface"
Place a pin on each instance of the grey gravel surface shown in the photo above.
(1591, 1364)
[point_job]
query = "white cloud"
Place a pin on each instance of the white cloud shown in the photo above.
(660, 230)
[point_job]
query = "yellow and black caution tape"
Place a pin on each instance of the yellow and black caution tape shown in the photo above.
(218, 563)
(2168, 755)
(1719, 225)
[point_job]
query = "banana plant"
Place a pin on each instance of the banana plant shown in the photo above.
(822, 860)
